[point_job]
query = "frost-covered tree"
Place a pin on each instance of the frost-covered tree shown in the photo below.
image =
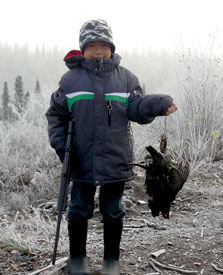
(5, 96)
(6, 109)
(21, 99)
(19, 94)
(37, 90)
(26, 99)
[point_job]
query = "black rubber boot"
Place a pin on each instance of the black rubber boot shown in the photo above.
(112, 238)
(78, 235)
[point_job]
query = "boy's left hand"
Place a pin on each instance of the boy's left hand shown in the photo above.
(171, 109)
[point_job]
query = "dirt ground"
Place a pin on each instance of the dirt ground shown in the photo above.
(190, 241)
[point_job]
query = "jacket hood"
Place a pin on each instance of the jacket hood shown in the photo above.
(74, 59)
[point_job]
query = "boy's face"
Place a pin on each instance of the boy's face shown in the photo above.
(97, 50)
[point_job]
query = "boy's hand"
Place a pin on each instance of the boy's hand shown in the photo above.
(171, 109)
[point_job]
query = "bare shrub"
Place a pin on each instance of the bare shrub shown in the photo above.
(201, 100)
(194, 132)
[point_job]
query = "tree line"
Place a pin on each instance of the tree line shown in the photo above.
(19, 101)
(46, 63)
(152, 67)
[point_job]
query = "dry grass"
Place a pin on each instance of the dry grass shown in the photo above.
(25, 150)
(31, 231)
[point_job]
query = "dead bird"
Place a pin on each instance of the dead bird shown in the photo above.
(163, 181)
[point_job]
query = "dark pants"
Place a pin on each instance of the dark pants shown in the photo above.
(82, 202)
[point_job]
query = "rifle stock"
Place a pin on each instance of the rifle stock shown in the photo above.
(64, 183)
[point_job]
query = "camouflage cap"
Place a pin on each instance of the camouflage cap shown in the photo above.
(95, 30)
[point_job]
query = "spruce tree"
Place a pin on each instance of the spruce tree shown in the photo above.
(37, 90)
(21, 99)
(6, 110)
(19, 94)
(26, 99)
(5, 96)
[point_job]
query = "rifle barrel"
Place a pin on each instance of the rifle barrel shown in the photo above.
(64, 183)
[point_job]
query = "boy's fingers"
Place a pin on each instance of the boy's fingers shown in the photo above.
(171, 109)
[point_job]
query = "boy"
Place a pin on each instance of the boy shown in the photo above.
(101, 98)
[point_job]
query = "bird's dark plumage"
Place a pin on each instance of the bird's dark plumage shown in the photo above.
(163, 182)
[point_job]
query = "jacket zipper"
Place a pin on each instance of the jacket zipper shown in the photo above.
(109, 107)
(98, 69)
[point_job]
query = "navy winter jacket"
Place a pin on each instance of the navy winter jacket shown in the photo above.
(101, 97)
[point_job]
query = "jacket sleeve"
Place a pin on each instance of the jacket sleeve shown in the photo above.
(144, 108)
(58, 117)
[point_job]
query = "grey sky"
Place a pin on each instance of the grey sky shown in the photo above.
(135, 24)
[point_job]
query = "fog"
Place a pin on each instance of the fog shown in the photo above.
(136, 24)
(149, 35)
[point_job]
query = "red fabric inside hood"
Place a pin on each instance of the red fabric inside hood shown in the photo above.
(72, 53)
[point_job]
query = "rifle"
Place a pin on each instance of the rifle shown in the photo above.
(64, 183)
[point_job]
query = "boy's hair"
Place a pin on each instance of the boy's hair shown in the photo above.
(95, 30)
